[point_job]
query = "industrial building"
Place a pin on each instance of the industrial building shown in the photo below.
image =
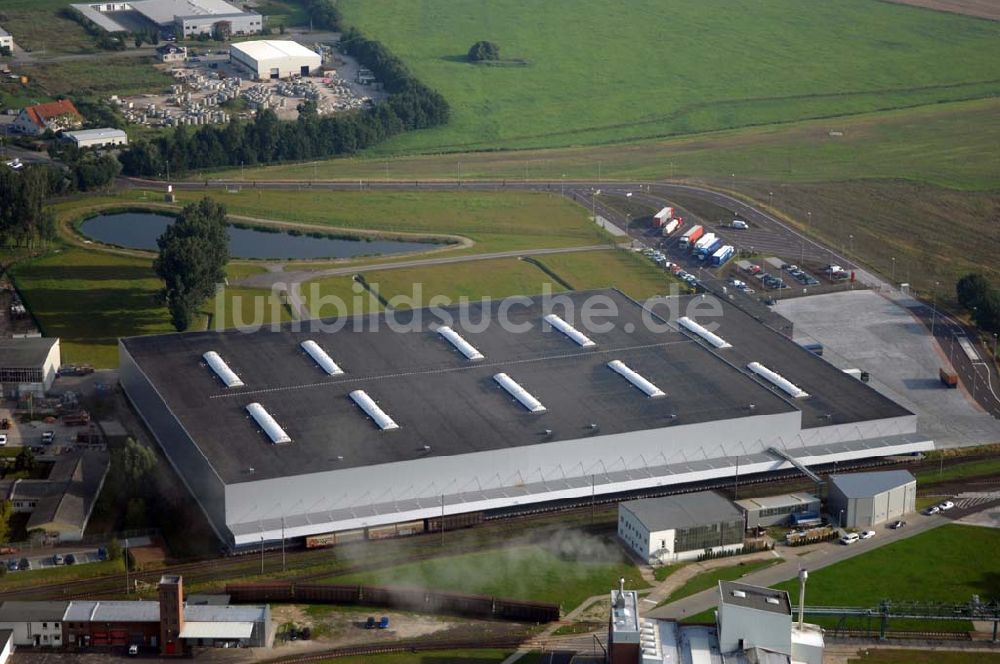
(753, 625)
(28, 365)
(767, 511)
(269, 58)
(168, 626)
(299, 430)
(680, 527)
(96, 138)
(53, 116)
(183, 18)
(6, 41)
(864, 500)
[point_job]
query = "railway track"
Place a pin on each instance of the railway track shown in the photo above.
(900, 635)
(496, 527)
(421, 645)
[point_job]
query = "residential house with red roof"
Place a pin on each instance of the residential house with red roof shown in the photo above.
(55, 115)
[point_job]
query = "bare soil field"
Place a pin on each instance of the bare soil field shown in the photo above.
(989, 9)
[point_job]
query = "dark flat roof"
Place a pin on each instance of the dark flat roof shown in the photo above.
(864, 485)
(29, 353)
(684, 510)
(439, 398)
(835, 397)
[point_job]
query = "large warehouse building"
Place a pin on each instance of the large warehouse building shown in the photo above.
(274, 59)
(183, 18)
(28, 366)
(293, 433)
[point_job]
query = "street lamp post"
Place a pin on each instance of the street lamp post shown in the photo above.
(934, 308)
(893, 278)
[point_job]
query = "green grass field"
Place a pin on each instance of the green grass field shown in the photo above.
(485, 656)
(37, 27)
(631, 273)
(931, 475)
(122, 75)
(603, 72)
(875, 656)
(711, 578)
(528, 572)
(496, 221)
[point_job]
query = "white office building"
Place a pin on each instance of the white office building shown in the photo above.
(274, 59)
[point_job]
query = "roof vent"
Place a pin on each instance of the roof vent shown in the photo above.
(778, 380)
(631, 376)
(522, 395)
(371, 409)
(570, 331)
(740, 594)
(773, 600)
(267, 423)
(319, 356)
(700, 330)
(463, 346)
(222, 370)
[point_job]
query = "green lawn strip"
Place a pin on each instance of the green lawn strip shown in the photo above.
(706, 616)
(711, 578)
(661, 573)
(29, 578)
(943, 144)
(482, 656)
(909, 570)
(525, 572)
(36, 25)
(497, 278)
(630, 272)
(931, 476)
(335, 297)
(108, 75)
(691, 86)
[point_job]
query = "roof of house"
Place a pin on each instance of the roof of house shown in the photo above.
(770, 502)
(227, 613)
(39, 113)
(29, 352)
(16, 611)
(862, 485)
(170, 48)
(684, 510)
(77, 480)
(4, 33)
(126, 611)
(754, 597)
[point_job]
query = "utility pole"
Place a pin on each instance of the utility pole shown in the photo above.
(736, 484)
(262, 549)
(442, 519)
(282, 543)
(126, 566)
(934, 308)
(592, 492)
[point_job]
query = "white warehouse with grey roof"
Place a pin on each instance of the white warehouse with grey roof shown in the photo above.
(423, 424)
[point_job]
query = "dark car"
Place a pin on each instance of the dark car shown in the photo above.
(102, 553)
(370, 623)
(897, 525)
(70, 559)
(11, 565)
(24, 564)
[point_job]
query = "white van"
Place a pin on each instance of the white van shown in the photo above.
(850, 538)
(742, 225)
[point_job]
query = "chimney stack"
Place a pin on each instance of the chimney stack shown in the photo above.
(803, 575)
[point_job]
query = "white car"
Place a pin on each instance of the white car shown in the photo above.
(933, 509)
(3, 439)
(850, 538)
(946, 505)
(868, 534)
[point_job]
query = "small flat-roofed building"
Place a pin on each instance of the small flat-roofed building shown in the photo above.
(751, 616)
(864, 500)
(172, 53)
(96, 138)
(274, 59)
(6, 41)
(34, 624)
(777, 510)
(680, 527)
(28, 365)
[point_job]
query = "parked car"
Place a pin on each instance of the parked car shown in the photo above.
(933, 509)
(897, 525)
(370, 623)
(102, 553)
(4, 423)
(48, 437)
(24, 564)
(57, 559)
(850, 538)
(383, 622)
(868, 534)
(70, 559)
(946, 505)
(12, 565)
(133, 650)
(3, 439)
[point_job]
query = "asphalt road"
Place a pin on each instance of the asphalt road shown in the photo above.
(766, 233)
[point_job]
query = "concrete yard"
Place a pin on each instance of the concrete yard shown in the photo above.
(864, 330)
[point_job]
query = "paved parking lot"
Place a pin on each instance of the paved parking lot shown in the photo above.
(863, 330)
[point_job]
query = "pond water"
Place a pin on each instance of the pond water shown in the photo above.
(139, 230)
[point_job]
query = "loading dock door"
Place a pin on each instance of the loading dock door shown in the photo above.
(275, 72)
(304, 70)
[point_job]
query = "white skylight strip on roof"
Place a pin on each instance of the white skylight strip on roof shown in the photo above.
(319, 355)
(463, 346)
(631, 376)
(371, 408)
(222, 370)
(777, 379)
(570, 331)
(267, 423)
(694, 327)
(519, 393)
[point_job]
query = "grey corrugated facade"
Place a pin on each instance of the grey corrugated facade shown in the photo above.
(776, 510)
(861, 510)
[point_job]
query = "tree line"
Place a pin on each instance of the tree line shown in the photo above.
(24, 219)
(266, 140)
(981, 299)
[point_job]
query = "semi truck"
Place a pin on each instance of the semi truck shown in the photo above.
(691, 236)
(704, 241)
(708, 250)
(722, 255)
(662, 217)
